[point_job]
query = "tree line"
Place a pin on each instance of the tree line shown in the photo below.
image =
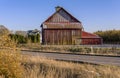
(109, 36)
(35, 38)
(21, 36)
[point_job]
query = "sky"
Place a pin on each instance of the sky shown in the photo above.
(29, 14)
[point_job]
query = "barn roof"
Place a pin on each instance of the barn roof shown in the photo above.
(62, 19)
(56, 17)
(89, 35)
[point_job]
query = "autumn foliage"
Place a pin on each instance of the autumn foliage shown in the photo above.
(10, 58)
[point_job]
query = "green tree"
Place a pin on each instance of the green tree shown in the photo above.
(110, 36)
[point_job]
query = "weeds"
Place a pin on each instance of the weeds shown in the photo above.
(41, 67)
(72, 49)
(10, 59)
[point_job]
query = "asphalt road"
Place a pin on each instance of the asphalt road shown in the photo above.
(103, 60)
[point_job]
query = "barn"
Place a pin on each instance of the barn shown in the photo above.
(61, 28)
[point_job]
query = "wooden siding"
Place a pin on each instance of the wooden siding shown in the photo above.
(61, 29)
(62, 26)
(61, 16)
(60, 36)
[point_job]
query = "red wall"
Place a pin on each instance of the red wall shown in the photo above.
(89, 41)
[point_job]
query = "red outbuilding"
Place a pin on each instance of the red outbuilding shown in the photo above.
(89, 38)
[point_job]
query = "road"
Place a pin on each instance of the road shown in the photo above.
(103, 60)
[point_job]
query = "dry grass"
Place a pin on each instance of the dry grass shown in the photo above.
(11, 65)
(41, 67)
(75, 49)
(10, 59)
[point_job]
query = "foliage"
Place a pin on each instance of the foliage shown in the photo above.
(18, 38)
(110, 36)
(3, 30)
(34, 38)
(10, 59)
(75, 49)
(25, 39)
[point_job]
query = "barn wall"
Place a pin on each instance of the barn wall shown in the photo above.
(60, 36)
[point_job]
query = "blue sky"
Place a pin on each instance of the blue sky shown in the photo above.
(29, 14)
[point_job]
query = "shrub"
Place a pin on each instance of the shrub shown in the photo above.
(18, 38)
(75, 49)
(87, 50)
(10, 59)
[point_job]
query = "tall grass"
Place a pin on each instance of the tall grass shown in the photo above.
(41, 67)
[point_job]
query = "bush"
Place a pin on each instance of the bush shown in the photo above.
(18, 38)
(75, 49)
(34, 38)
(10, 59)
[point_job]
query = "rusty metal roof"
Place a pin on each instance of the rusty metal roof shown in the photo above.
(62, 25)
(89, 35)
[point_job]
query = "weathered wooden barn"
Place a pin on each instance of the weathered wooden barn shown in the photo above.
(62, 29)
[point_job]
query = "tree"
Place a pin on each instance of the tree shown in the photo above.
(110, 36)
(3, 30)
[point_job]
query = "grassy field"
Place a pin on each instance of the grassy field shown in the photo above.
(41, 67)
(75, 49)
(15, 65)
